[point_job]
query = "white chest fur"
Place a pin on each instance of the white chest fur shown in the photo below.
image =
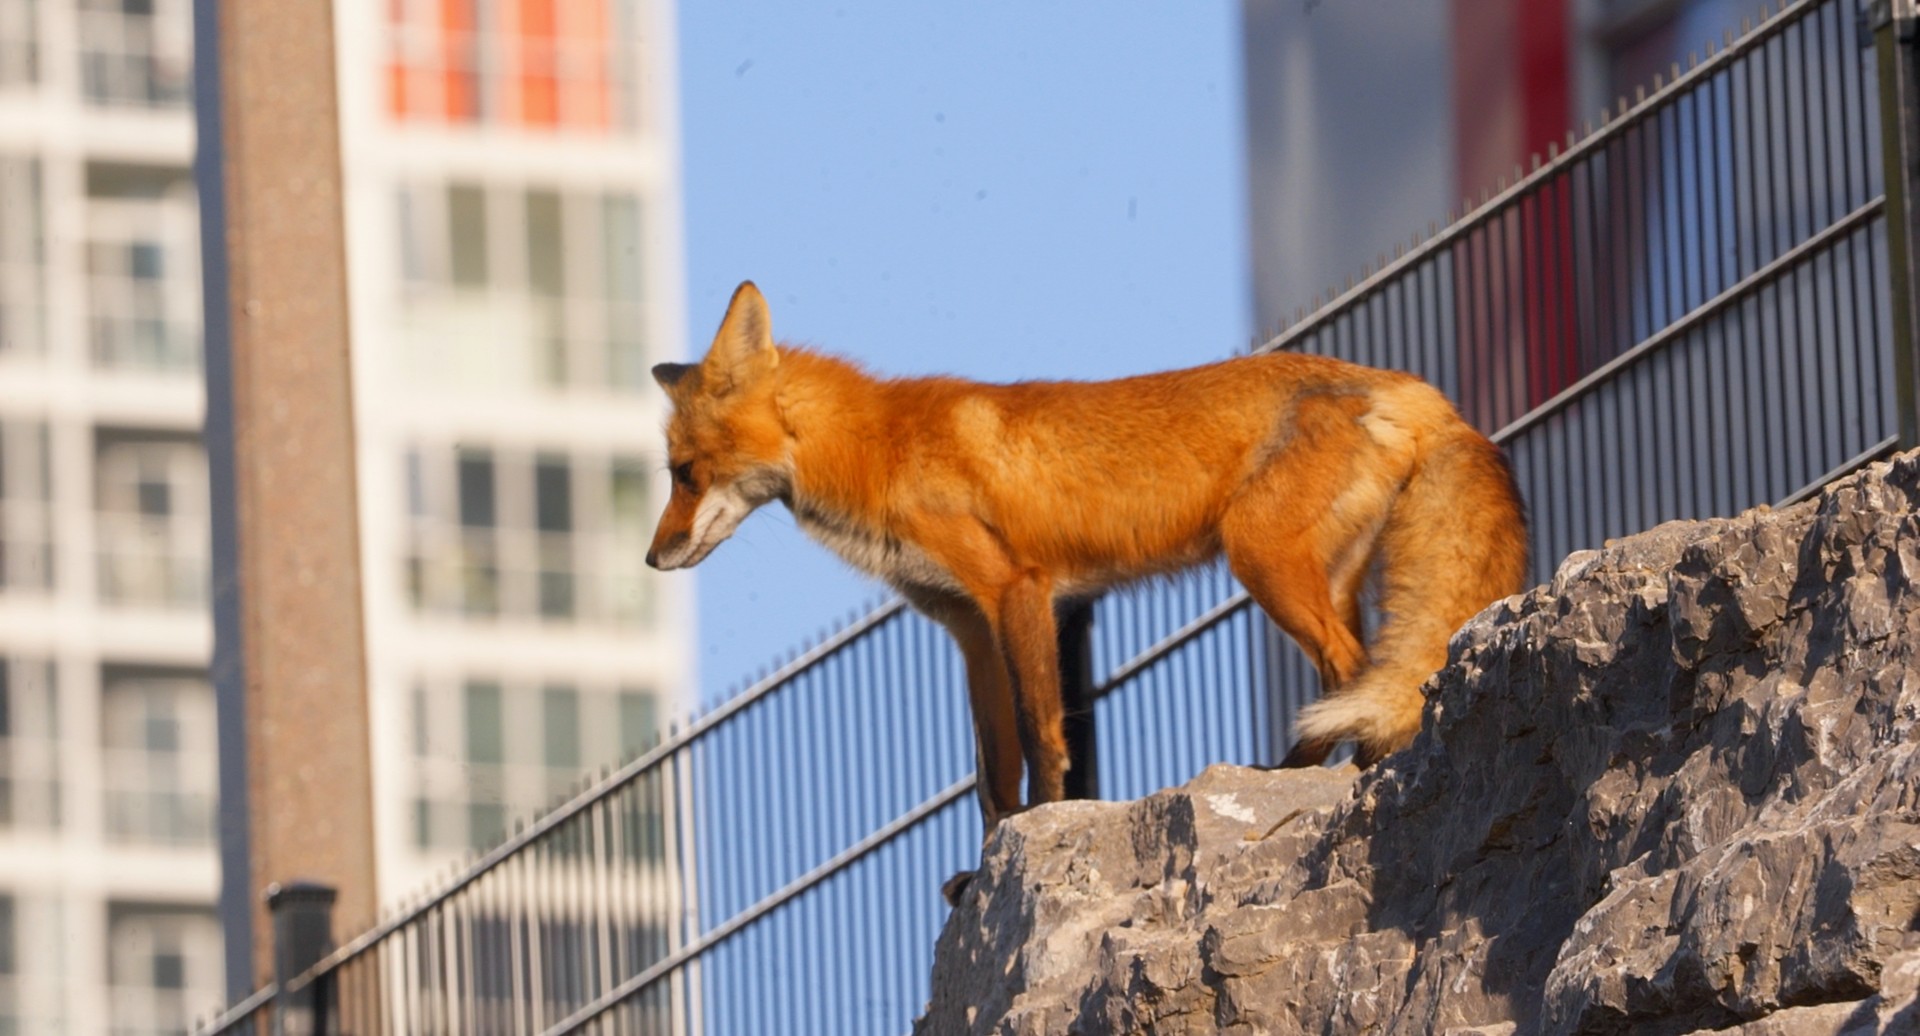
(889, 558)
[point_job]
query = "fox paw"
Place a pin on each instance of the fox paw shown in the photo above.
(1307, 753)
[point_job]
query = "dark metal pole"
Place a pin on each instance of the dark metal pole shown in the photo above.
(1074, 621)
(302, 914)
(229, 680)
(1894, 24)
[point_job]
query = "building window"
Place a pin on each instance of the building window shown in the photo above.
(570, 65)
(26, 522)
(143, 277)
(164, 967)
(553, 523)
(136, 53)
(9, 971)
(560, 726)
(160, 771)
(152, 520)
(628, 586)
(490, 751)
(19, 48)
(626, 357)
(639, 723)
(22, 252)
(546, 536)
(508, 287)
(29, 746)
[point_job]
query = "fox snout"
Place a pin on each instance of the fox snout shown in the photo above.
(672, 546)
(693, 525)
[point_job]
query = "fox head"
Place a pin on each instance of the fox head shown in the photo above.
(726, 446)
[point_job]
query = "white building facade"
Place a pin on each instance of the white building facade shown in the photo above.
(514, 265)
(108, 869)
(513, 278)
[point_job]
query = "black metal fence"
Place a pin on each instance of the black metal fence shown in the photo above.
(1688, 311)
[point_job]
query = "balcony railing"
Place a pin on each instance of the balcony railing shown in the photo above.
(152, 562)
(522, 574)
(29, 784)
(136, 59)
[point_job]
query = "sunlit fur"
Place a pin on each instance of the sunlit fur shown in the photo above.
(983, 503)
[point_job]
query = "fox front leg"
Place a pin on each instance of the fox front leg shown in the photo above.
(996, 725)
(1029, 641)
(1016, 601)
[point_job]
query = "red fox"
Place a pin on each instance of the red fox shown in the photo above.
(982, 504)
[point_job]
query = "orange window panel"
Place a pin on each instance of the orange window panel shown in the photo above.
(562, 48)
(594, 89)
(458, 51)
(397, 89)
(539, 72)
(589, 100)
(399, 98)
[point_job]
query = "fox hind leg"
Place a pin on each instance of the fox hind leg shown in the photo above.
(1300, 537)
(1294, 592)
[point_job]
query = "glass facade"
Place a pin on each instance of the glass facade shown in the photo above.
(152, 520)
(490, 750)
(540, 535)
(108, 873)
(143, 276)
(136, 53)
(507, 287)
(22, 248)
(164, 969)
(546, 65)
(158, 749)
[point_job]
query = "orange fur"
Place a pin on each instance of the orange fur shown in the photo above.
(983, 503)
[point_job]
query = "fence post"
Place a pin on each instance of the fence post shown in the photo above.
(1074, 620)
(1894, 25)
(302, 914)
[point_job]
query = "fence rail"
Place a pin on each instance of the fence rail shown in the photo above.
(1689, 311)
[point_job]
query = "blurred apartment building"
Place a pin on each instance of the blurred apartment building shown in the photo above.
(513, 244)
(1368, 120)
(513, 255)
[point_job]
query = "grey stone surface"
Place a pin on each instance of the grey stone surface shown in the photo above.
(1675, 790)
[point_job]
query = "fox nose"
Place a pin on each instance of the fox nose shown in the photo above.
(673, 545)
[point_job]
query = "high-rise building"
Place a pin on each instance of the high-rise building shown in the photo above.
(512, 227)
(107, 861)
(513, 254)
(1366, 122)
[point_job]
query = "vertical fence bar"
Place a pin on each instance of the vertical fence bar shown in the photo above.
(1895, 24)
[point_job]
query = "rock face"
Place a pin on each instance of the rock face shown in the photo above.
(1676, 789)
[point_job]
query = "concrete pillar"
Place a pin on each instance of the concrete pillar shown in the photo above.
(289, 665)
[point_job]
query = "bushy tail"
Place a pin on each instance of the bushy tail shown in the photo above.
(1455, 541)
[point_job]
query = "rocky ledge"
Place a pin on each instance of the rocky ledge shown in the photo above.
(1674, 790)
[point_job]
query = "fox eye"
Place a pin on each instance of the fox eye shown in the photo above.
(683, 475)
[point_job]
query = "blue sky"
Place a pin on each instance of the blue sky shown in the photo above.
(999, 190)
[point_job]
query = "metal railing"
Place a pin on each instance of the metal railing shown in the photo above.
(1684, 313)
(149, 561)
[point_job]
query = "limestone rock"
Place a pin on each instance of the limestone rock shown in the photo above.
(1676, 789)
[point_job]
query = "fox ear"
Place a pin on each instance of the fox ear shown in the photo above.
(672, 375)
(742, 351)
